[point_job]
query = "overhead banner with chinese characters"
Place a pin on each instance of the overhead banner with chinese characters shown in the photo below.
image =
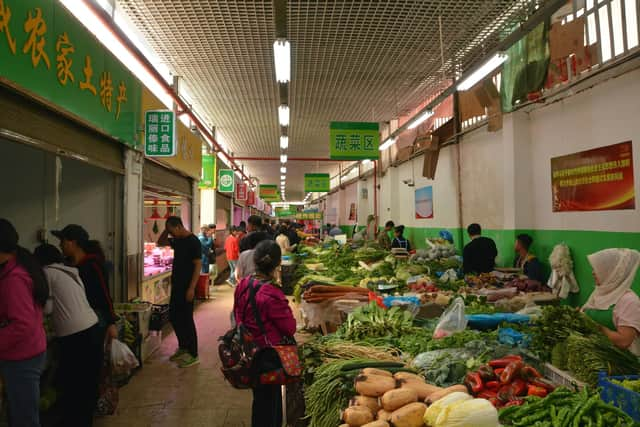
(316, 182)
(208, 178)
(251, 198)
(354, 141)
(160, 133)
(45, 51)
(285, 212)
(226, 181)
(269, 193)
(594, 180)
(241, 192)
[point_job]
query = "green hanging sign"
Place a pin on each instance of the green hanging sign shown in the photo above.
(159, 133)
(354, 141)
(47, 52)
(208, 175)
(226, 181)
(269, 193)
(316, 183)
(285, 212)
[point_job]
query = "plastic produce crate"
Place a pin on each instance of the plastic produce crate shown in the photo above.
(159, 317)
(560, 377)
(622, 397)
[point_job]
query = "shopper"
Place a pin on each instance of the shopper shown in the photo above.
(23, 344)
(232, 248)
(283, 241)
(370, 229)
(255, 234)
(613, 304)
(479, 255)
(184, 278)
(335, 231)
(79, 336)
(206, 246)
(87, 256)
(292, 233)
(278, 321)
(384, 241)
(399, 241)
(526, 261)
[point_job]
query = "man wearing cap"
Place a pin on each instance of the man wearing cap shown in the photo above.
(185, 274)
(88, 257)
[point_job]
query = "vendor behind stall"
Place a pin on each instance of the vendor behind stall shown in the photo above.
(384, 241)
(399, 241)
(479, 255)
(527, 262)
(613, 304)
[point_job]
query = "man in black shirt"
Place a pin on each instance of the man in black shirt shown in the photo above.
(479, 255)
(255, 234)
(185, 274)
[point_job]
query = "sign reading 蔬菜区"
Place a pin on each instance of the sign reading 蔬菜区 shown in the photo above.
(208, 177)
(594, 180)
(316, 183)
(354, 141)
(47, 52)
(226, 181)
(159, 134)
(269, 193)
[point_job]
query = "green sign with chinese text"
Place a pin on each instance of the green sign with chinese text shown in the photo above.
(269, 193)
(354, 141)
(282, 212)
(47, 52)
(316, 183)
(159, 133)
(208, 176)
(226, 181)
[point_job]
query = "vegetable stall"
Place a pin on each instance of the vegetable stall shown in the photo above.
(490, 355)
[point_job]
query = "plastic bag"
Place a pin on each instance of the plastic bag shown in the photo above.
(452, 320)
(123, 360)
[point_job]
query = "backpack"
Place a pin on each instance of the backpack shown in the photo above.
(237, 350)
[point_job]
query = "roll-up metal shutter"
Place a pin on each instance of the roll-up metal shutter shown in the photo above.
(26, 121)
(161, 178)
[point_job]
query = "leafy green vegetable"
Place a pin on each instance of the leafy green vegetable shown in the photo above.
(374, 321)
(633, 385)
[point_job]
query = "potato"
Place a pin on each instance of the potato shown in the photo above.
(407, 376)
(394, 399)
(357, 416)
(410, 415)
(374, 385)
(378, 423)
(423, 389)
(445, 391)
(366, 401)
(384, 415)
(374, 371)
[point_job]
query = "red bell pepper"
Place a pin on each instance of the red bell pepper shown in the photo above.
(498, 372)
(492, 385)
(487, 394)
(534, 390)
(495, 402)
(505, 393)
(529, 372)
(474, 383)
(516, 402)
(519, 387)
(511, 371)
(503, 362)
(542, 382)
(486, 373)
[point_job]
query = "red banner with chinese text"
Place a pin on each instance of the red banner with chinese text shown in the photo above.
(241, 192)
(594, 180)
(251, 198)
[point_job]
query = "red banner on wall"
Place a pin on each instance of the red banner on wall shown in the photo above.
(241, 192)
(251, 198)
(594, 180)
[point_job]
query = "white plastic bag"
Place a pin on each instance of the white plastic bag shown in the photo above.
(452, 320)
(123, 360)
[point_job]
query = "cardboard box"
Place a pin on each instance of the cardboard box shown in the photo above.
(404, 153)
(566, 39)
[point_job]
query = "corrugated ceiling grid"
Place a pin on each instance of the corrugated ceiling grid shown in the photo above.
(352, 60)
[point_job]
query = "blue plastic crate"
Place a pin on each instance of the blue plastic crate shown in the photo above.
(623, 398)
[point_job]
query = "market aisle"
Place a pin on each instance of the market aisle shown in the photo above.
(163, 395)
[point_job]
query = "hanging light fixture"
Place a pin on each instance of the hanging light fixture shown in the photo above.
(283, 115)
(154, 211)
(283, 158)
(388, 143)
(283, 169)
(284, 142)
(494, 62)
(168, 213)
(282, 58)
(420, 119)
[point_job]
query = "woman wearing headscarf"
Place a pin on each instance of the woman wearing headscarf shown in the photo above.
(613, 304)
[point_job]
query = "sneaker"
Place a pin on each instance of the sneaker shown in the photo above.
(189, 361)
(178, 354)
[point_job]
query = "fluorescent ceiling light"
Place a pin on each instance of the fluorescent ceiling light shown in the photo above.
(283, 115)
(283, 177)
(284, 142)
(388, 143)
(283, 170)
(282, 58)
(283, 158)
(421, 118)
(238, 174)
(493, 63)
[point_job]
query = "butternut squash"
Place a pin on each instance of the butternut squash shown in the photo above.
(444, 392)
(394, 399)
(357, 416)
(374, 371)
(384, 415)
(366, 401)
(423, 389)
(378, 423)
(410, 415)
(374, 385)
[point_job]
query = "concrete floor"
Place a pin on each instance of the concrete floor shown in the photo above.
(161, 394)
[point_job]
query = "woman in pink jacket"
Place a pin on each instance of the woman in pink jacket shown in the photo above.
(277, 319)
(23, 344)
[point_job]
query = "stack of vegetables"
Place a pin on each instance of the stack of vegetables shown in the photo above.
(505, 382)
(320, 293)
